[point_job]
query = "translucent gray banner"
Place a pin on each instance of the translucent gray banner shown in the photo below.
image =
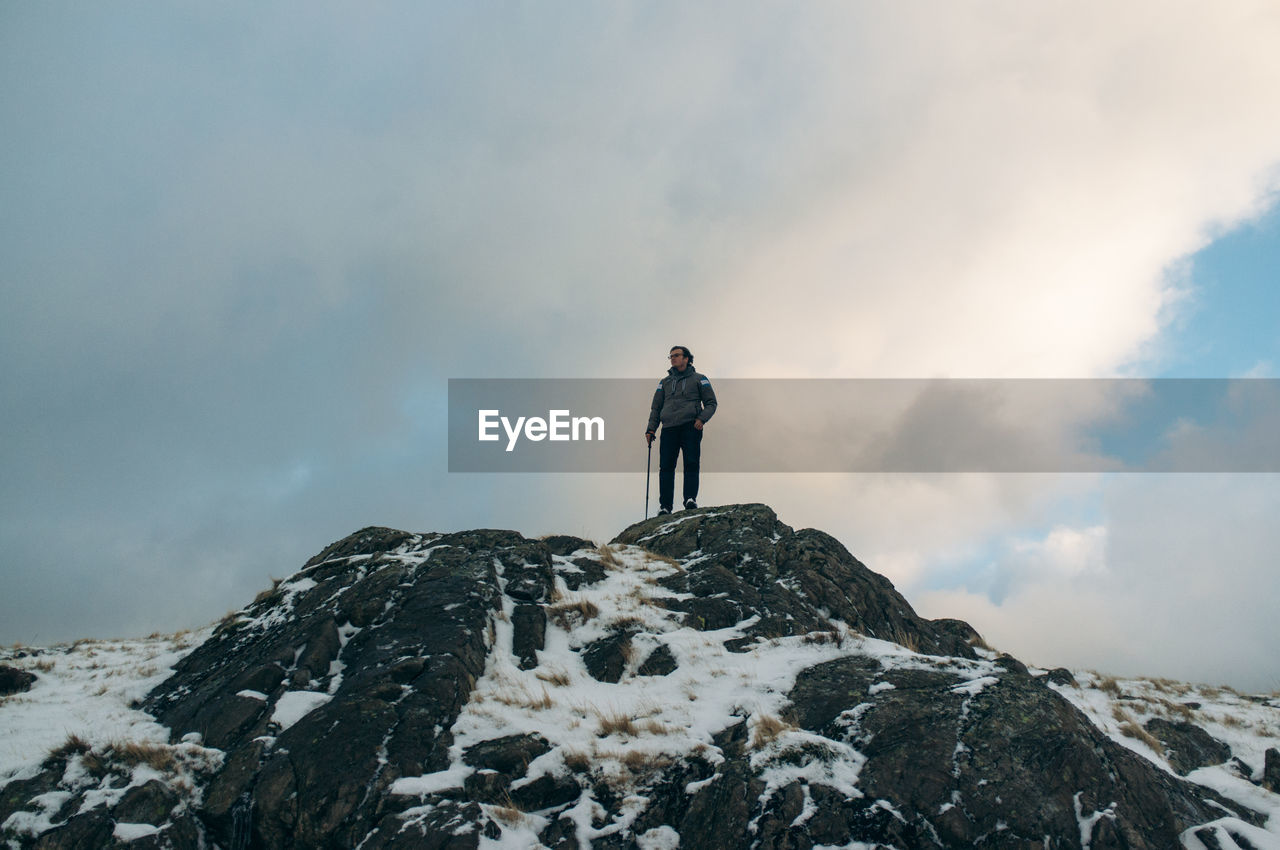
(817, 425)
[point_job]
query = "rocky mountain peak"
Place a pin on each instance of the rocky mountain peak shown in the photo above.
(711, 679)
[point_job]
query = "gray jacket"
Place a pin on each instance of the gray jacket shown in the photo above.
(682, 397)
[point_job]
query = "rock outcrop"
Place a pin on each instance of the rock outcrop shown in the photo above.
(1187, 746)
(712, 679)
(14, 681)
(744, 563)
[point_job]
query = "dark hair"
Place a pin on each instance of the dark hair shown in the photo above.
(687, 352)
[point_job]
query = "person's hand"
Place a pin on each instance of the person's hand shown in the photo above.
(648, 437)
(697, 424)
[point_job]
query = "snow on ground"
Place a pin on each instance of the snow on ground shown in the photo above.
(87, 690)
(82, 705)
(628, 731)
(1249, 725)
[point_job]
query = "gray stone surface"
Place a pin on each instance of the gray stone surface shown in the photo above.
(385, 633)
(1187, 746)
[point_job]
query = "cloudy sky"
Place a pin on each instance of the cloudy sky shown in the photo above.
(243, 249)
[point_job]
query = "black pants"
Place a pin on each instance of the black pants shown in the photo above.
(675, 438)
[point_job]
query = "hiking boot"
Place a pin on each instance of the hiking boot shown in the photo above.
(690, 504)
(662, 511)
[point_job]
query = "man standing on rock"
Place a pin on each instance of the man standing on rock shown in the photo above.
(683, 403)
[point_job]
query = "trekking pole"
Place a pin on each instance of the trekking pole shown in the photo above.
(648, 465)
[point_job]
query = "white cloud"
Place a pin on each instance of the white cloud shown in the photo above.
(1010, 203)
(1065, 551)
(245, 247)
(1186, 588)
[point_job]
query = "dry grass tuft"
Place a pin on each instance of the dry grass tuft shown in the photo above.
(134, 753)
(608, 557)
(980, 642)
(95, 764)
(556, 677)
(1169, 686)
(1176, 710)
(120, 758)
(671, 562)
(613, 723)
(519, 696)
(653, 727)
(271, 595)
(1132, 730)
(578, 762)
(641, 595)
(644, 764)
(544, 703)
(506, 812)
(630, 655)
(833, 637)
(573, 612)
(906, 640)
(767, 729)
(74, 745)
(1109, 685)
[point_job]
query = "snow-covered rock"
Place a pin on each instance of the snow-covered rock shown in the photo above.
(714, 679)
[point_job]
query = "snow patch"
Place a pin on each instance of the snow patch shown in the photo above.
(134, 831)
(1226, 831)
(973, 687)
(295, 705)
(1087, 822)
(87, 690)
(659, 838)
(432, 783)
